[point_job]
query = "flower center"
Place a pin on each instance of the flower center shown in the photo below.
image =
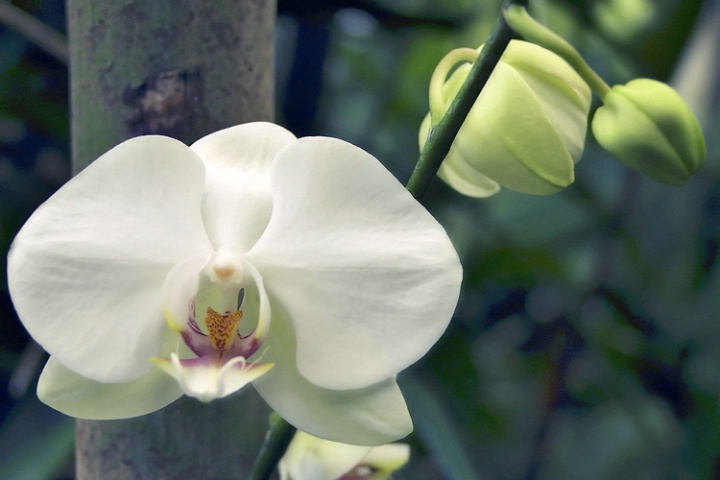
(228, 290)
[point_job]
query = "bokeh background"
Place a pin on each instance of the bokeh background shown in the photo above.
(587, 341)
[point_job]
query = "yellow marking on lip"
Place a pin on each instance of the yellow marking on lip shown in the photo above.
(223, 329)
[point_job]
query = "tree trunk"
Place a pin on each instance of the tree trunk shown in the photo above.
(182, 69)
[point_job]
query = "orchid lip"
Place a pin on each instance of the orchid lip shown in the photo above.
(223, 339)
(223, 363)
(223, 322)
(205, 380)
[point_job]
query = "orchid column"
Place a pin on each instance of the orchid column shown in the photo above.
(182, 69)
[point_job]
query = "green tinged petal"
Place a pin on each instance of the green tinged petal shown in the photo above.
(77, 396)
(313, 458)
(458, 173)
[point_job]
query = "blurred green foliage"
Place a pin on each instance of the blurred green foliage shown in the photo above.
(585, 344)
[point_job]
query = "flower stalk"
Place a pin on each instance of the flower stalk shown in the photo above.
(278, 437)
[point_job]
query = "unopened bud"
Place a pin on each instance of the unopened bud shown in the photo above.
(648, 126)
(525, 131)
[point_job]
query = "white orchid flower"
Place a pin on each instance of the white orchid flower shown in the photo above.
(312, 458)
(300, 265)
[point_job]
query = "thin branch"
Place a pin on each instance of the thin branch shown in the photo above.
(35, 31)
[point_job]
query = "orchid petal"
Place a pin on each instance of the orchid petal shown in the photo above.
(205, 380)
(180, 286)
(261, 305)
(238, 202)
(369, 279)
(385, 459)
(312, 458)
(85, 272)
(370, 416)
(77, 396)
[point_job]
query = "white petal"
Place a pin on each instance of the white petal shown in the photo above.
(207, 381)
(312, 458)
(180, 286)
(238, 202)
(369, 278)
(85, 272)
(304, 468)
(80, 397)
(385, 459)
(370, 416)
(260, 306)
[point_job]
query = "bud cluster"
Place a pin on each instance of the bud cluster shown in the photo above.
(526, 130)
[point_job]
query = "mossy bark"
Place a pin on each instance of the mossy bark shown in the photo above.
(182, 69)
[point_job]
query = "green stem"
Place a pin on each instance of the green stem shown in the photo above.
(530, 29)
(443, 134)
(276, 443)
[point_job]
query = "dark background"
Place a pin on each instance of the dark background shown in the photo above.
(587, 341)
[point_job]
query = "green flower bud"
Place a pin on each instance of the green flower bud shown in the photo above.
(525, 131)
(648, 126)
